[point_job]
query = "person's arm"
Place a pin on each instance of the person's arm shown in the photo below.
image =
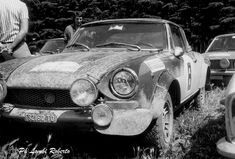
(66, 36)
(24, 26)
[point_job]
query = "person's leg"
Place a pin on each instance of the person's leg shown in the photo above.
(21, 51)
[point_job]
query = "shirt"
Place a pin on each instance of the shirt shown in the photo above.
(11, 14)
(68, 33)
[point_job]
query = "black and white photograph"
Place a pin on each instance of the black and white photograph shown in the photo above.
(117, 79)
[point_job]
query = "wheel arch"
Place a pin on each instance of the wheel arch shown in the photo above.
(165, 83)
(205, 78)
(174, 91)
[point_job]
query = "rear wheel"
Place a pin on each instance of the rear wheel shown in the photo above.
(208, 82)
(161, 134)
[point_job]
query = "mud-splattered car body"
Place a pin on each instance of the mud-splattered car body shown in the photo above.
(113, 77)
(226, 145)
(221, 53)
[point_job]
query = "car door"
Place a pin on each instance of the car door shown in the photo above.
(188, 78)
(196, 66)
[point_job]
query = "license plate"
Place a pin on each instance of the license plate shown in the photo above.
(46, 117)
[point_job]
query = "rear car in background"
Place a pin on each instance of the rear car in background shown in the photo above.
(226, 145)
(221, 53)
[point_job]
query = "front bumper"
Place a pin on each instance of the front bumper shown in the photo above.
(62, 118)
(226, 148)
(125, 122)
(221, 75)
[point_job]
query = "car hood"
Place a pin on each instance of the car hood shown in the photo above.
(220, 55)
(61, 70)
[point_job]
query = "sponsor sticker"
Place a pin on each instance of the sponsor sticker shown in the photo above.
(155, 65)
(116, 27)
(58, 66)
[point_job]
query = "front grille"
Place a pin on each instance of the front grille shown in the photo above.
(215, 64)
(36, 98)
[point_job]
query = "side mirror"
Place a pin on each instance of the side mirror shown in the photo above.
(178, 51)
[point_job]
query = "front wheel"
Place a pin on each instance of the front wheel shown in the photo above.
(161, 134)
(200, 98)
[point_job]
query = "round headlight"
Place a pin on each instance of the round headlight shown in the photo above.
(83, 92)
(124, 82)
(3, 90)
(224, 63)
(102, 115)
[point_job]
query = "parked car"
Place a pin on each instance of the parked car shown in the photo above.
(226, 145)
(53, 46)
(221, 53)
(123, 77)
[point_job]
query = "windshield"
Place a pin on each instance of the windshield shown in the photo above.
(135, 35)
(226, 43)
(53, 46)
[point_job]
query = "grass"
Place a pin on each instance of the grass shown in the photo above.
(196, 134)
(197, 131)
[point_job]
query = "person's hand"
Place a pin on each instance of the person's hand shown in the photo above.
(9, 50)
(4, 48)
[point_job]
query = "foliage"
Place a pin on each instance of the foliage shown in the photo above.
(201, 19)
(197, 131)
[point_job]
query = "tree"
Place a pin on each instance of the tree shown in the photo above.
(201, 19)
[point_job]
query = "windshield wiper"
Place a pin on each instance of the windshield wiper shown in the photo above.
(150, 50)
(119, 44)
(216, 49)
(156, 50)
(78, 44)
(48, 52)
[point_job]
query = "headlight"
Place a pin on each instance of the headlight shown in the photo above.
(83, 92)
(3, 90)
(102, 115)
(124, 83)
(224, 63)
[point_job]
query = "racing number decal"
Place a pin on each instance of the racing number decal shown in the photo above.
(189, 76)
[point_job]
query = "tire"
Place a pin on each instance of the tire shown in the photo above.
(208, 81)
(200, 98)
(161, 134)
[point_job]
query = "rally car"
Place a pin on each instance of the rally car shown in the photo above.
(221, 53)
(226, 145)
(122, 77)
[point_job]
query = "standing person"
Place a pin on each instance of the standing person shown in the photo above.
(70, 29)
(13, 29)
